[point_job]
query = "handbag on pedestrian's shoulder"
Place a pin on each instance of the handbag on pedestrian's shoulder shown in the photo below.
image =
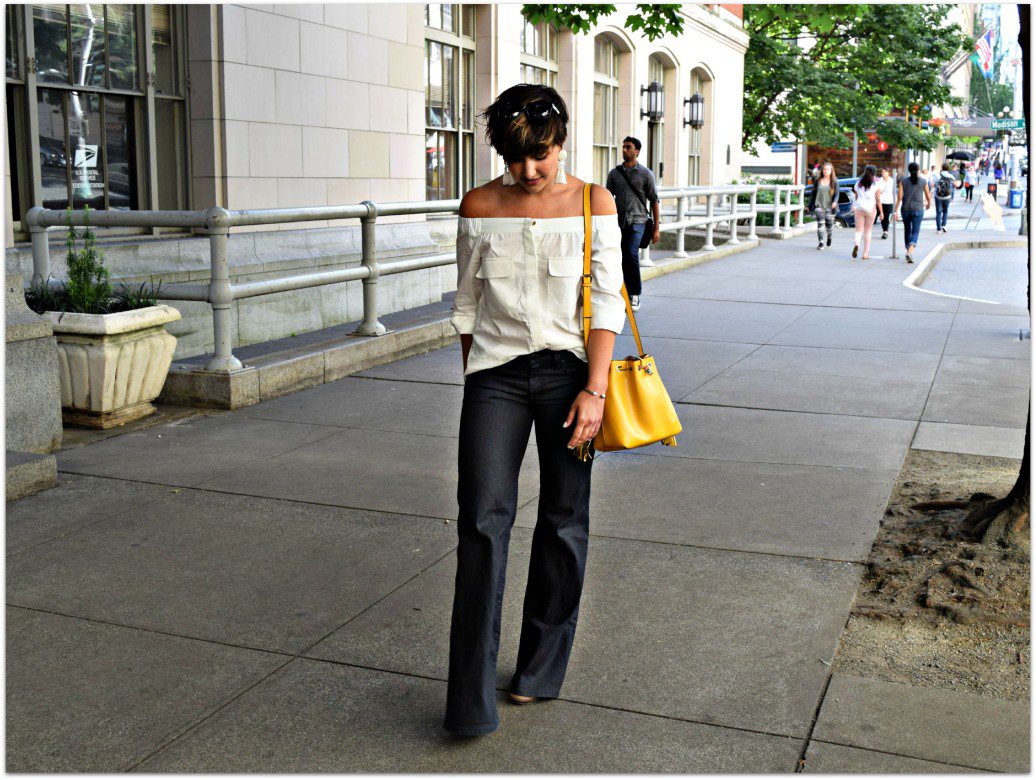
(649, 226)
(637, 408)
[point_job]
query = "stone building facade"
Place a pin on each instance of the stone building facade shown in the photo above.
(275, 106)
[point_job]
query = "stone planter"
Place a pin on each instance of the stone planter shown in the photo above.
(112, 365)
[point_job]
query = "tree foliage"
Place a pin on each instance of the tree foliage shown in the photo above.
(652, 20)
(817, 72)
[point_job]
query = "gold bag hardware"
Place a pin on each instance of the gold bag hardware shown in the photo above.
(637, 409)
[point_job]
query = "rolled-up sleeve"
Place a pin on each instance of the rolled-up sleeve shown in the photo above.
(608, 310)
(469, 288)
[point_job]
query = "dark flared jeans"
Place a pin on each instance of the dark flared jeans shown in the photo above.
(501, 405)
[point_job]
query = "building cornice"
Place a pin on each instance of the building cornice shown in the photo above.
(715, 27)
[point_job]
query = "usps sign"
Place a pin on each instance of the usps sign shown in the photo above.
(86, 156)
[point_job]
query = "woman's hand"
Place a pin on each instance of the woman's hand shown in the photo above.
(585, 418)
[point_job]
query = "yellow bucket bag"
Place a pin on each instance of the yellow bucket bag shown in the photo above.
(637, 408)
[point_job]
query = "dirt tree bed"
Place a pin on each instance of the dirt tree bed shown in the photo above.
(935, 608)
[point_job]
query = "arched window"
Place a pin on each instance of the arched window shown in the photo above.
(606, 107)
(449, 89)
(539, 59)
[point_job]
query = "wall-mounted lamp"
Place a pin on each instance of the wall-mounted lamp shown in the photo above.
(653, 106)
(695, 111)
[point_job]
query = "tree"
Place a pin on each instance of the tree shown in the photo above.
(1007, 519)
(652, 20)
(818, 72)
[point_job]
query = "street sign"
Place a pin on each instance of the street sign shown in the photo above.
(1018, 138)
(783, 146)
(1006, 124)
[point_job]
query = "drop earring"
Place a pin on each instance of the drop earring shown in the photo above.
(508, 179)
(560, 177)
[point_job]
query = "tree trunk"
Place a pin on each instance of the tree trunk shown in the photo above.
(1001, 521)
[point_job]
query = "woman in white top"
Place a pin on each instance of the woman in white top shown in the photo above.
(887, 188)
(867, 208)
(517, 310)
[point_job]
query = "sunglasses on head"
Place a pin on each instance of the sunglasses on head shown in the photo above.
(536, 112)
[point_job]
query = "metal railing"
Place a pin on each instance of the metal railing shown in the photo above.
(720, 207)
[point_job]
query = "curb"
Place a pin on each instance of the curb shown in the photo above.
(926, 266)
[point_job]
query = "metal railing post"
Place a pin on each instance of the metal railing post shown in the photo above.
(40, 246)
(802, 207)
(733, 219)
(221, 294)
(368, 235)
(709, 214)
(776, 227)
(681, 215)
(753, 198)
(787, 214)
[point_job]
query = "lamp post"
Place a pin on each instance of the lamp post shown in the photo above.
(694, 111)
(652, 102)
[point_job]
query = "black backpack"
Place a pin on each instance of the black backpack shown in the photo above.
(942, 189)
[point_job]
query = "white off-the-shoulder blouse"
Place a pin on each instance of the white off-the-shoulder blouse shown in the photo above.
(519, 285)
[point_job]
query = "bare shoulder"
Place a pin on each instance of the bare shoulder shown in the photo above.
(479, 202)
(601, 201)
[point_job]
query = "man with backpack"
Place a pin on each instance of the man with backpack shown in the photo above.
(633, 187)
(944, 186)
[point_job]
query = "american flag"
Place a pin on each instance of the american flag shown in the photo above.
(984, 50)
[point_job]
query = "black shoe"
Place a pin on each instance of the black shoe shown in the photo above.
(820, 245)
(829, 240)
(909, 259)
(884, 235)
(856, 251)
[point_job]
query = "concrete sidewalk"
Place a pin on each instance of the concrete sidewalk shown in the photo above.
(269, 590)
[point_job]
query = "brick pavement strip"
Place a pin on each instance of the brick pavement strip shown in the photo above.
(269, 590)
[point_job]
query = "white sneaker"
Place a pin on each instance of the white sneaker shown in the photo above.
(635, 302)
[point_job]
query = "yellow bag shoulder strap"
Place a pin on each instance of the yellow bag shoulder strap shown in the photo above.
(587, 249)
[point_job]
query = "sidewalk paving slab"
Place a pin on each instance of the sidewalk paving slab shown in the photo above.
(813, 511)
(863, 294)
(387, 471)
(926, 723)
(909, 366)
(715, 637)
(796, 438)
(372, 404)
(970, 439)
(76, 502)
(90, 697)
(319, 717)
(796, 391)
(986, 371)
(825, 758)
(803, 292)
(442, 366)
(975, 405)
(190, 451)
(989, 335)
(273, 575)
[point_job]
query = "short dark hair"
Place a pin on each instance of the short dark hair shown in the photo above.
(516, 139)
(635, 141)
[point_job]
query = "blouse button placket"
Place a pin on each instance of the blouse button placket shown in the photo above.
(532, 285)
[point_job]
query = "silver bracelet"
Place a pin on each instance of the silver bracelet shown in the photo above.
(595, 393)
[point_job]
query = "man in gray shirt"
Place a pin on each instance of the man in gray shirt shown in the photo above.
(631, 203)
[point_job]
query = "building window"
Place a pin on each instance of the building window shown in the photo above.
(606, 107)
(80, 136)
(695, 151)
(449, 83)
(539, 58)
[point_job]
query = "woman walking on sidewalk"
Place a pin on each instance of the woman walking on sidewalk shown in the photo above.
(867, 208)
(970, 181)
(822, 202)
(914, 195)
(943, 195)
(886, 186)
(517, 310)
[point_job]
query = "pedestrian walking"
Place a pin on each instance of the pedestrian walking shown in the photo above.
(520, 242)
(886, 186)
(867, 207)
(998, 171)
(944, 186)
(914, 195)
(970, 182)
(823, 200)
(633, 187)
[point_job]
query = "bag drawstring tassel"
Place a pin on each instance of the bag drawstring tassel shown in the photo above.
(669, 441)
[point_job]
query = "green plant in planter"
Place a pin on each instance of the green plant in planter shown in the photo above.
(88, 289)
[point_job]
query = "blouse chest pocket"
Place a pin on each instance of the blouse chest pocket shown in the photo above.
(564, 285)
(499, 293)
